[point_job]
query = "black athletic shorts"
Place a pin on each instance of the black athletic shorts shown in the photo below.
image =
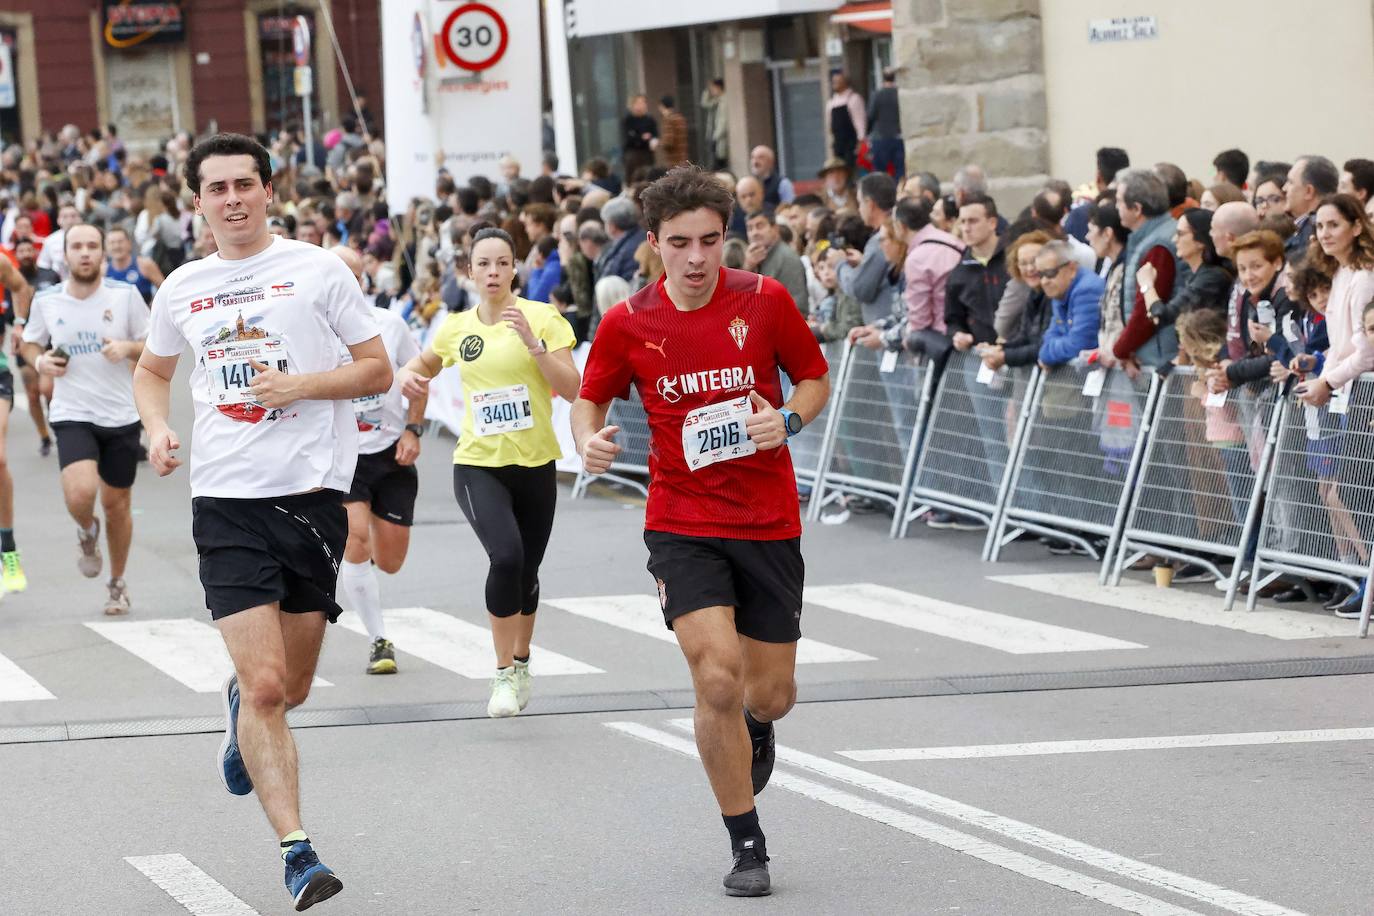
(115, 450)
(761, 580)
(7, 386)
(285, 549)
(389, 488)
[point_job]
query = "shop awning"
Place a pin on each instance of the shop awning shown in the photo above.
(873, 16)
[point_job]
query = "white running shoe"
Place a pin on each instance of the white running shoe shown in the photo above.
(522, 683)
(90, 560)
(505, 697)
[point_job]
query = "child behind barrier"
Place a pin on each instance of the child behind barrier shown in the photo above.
(1202, 336)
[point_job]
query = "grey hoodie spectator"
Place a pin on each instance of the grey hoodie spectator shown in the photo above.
(866, 277)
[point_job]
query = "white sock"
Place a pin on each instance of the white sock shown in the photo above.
(360, 591)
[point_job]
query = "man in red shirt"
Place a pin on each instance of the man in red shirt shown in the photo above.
(703, 347)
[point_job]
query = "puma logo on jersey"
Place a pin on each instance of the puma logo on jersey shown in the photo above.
(649, 344)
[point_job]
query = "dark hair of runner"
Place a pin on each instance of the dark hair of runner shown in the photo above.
(227, 145)
(682, 190)
(492, 232)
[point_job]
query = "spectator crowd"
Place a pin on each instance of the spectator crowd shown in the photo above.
(1253, 270)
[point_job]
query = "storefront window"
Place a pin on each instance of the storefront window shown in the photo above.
(281, 106)
(599, 95)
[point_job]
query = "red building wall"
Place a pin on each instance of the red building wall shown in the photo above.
(66, 68)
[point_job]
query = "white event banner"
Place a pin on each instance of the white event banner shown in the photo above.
(462, 89)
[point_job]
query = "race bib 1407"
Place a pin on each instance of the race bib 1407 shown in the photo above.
(228, 369)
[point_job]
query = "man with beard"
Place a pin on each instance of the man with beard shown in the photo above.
(96, 328)
(36, 389)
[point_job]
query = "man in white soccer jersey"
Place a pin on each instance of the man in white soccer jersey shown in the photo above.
(381, 504)
(272, 452)
(96, 329)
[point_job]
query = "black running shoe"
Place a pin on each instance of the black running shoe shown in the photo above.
(761, 737)
(749, 877)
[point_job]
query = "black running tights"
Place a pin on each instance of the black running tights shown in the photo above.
(510, 509)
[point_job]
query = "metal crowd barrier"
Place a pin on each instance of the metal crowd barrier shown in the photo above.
(1318, 520)
(1084, 436)
(871, 441)
(969, 433)
(1198, 496)
(633, 438)
(808, 449)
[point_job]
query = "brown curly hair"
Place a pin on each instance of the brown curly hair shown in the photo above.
(683, 189)
(1362, 255)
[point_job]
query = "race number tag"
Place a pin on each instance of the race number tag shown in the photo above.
(716, 433)
(1216, 399)
(229, 373)
(986, 374)
(1092, 385)
(889, 363)
(1340, 400)
(501, 410)
(369, 404)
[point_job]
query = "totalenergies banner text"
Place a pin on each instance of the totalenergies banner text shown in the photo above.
(462, 83)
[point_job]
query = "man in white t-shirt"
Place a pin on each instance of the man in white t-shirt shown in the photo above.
(96, 329)
(55, 245)
(272, 452)
(381, 504)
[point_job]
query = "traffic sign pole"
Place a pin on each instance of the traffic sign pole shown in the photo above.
(300, 47)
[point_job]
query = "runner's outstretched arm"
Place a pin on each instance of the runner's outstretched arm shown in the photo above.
(153, 397)
(595, 440)
(809, 397)
(369, 373)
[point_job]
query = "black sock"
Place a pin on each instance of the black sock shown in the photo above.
(524, 661)
(743, 827)
(756, 728)
(6, 539)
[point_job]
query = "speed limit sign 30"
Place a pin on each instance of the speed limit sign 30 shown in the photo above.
(475, 36)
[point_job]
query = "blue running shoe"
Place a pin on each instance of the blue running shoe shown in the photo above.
(232, 771)
(307, 880)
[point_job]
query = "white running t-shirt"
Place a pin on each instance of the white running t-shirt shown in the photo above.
(382, 417)
(288, 307)
(94, 390)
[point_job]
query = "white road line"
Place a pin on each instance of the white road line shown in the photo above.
(456, 645)
(200, 894)
(1120, 897)
(1100, 745)
(16, 684)
(954, 621)
(190, 651)
(641, 614)
(1184, 604)
(1047, 841)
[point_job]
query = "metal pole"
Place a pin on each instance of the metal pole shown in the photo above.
(309, 130)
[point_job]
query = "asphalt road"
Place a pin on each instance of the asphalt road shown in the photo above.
(972, 738)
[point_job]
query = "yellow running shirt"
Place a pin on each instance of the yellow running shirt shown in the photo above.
(508, 404)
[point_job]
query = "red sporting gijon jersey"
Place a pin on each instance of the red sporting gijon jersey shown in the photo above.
(681, 361)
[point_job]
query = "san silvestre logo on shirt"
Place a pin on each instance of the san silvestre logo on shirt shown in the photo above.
(671, 388)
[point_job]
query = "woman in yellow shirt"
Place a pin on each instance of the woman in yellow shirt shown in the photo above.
(513, 355)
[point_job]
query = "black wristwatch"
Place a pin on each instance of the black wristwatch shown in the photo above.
(417, 428)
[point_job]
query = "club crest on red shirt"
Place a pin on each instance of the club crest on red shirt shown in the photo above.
(739, 330)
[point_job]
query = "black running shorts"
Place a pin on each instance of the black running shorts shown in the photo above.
(283, 549)
(115, 450)
(761, 580)
(389, 488)
(7, 386)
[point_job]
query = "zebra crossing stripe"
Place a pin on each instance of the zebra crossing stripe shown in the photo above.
(456, 645)
(16, 684)
(200, 894)
(1003, 632)
(641, 614)
(189, 651)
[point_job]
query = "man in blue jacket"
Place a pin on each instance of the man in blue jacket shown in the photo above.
(1075, 298)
